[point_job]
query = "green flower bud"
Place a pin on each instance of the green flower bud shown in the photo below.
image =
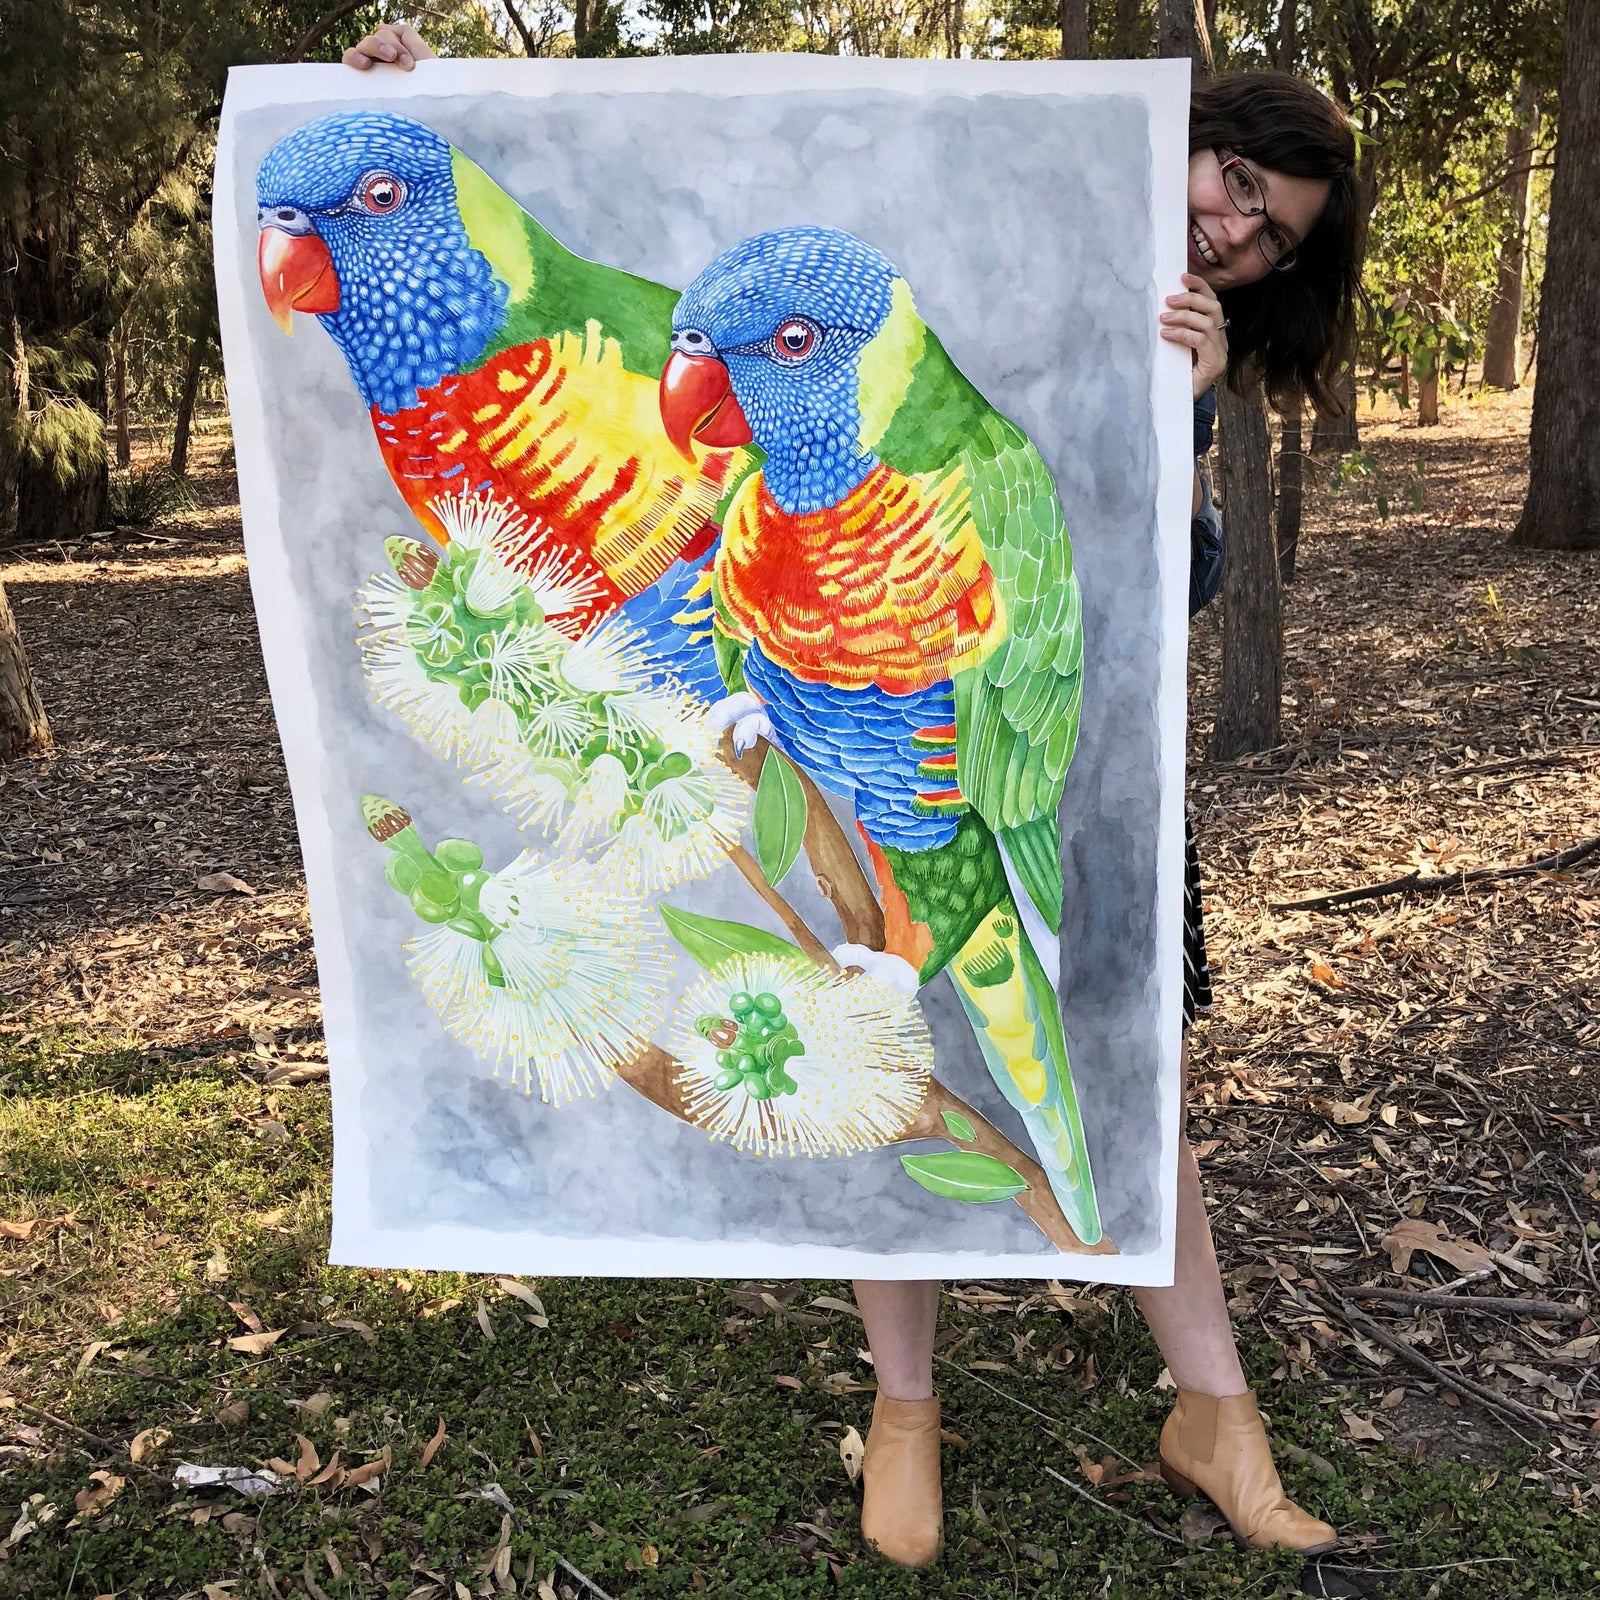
(458, 855)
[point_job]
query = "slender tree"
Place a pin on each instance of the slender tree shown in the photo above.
(1075, 30)
(1562, 511)
(1502, 348)
(1181, 31)
(24, 728)
(1249, 706)
(1291, 488)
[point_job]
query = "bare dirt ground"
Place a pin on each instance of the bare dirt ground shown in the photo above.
(1400, 1094)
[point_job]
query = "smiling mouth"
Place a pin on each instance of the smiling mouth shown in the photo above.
(1203, 246)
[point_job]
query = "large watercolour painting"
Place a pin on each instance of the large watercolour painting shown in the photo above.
(718, 531)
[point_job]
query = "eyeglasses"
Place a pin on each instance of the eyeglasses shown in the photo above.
(1244, 190)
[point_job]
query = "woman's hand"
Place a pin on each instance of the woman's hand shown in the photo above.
(389, 44)
(1195, 318)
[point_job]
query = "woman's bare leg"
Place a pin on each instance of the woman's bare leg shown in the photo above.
(900, 1319)
(1190, 1320)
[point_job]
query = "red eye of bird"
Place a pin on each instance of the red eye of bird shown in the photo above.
(381, 193)
(794, 341)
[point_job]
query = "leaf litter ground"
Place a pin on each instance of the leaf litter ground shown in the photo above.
(1397, 1096)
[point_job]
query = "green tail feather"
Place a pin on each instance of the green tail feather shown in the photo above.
(1016, 1017)
(1034, 851)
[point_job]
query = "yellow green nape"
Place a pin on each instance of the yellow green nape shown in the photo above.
(888, 359)
(496, 225)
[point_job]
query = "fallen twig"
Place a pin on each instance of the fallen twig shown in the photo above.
(83, 1433)
(1487, 1305)
(1116, 1511)
(588, 1583)
(1333, 1302)
(1044, 1416)
(1416, 883)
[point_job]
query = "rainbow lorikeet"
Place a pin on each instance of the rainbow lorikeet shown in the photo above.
(495, 361)
(894, 597)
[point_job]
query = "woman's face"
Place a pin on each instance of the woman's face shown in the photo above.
(1222, 241)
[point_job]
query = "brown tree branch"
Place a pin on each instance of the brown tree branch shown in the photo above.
(1037, 1200)
(1330, 1300)
(1416, 883)
(751, 871)
(322, 26)
(838, 872)
(529, 43)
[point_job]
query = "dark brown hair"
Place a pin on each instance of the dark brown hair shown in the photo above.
(1290, 327)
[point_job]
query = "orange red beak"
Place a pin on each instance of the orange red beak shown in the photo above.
(296, 275)
(698, 403)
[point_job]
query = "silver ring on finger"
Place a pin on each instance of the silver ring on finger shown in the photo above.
(1223, 324)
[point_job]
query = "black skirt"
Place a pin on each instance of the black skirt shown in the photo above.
(1196, 969)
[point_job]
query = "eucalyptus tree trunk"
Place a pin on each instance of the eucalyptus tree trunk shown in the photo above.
(1562, 511)
(119, 401)
(1074, 30)
(1181, 31)
(1503, 347)
(1249, 707)
(1128, 26)
(186, 404)
(24, 728)
(1291, 489)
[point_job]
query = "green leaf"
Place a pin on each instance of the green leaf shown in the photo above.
(965, 1175)
(712, 942)
(959, 1127)
(780, 817)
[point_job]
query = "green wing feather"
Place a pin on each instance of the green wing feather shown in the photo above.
(1016, 712)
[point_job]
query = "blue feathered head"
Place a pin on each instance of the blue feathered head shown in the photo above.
(360, 224)
(787, 314)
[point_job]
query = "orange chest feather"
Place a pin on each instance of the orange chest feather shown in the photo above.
(889, 587)
(560, 430)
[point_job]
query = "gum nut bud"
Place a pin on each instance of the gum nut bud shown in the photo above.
(747, 1063)
(758, 1088)
(724, 1058)
(458, 855)
(740, 1004)
(675, 764)
(727, 1079)
(414, 563)
(722, 1032)
(384, 819)
(769, 1004)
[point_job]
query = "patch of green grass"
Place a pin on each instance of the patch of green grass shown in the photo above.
(643, 1435)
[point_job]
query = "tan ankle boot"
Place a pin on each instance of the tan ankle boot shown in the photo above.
(902, 1508)
(1219, 1447)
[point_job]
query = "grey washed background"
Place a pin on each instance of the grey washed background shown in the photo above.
(1022, 224)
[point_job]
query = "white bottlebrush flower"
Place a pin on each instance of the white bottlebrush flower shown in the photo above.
(558, 580)
(559, 725)
(491, 585)
(536, 793)
(597, 806)
(398, 681)
(477, 521)
(581, 968)
(385, 602)
(519, 659)
(606, 660)
(859, 1084)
